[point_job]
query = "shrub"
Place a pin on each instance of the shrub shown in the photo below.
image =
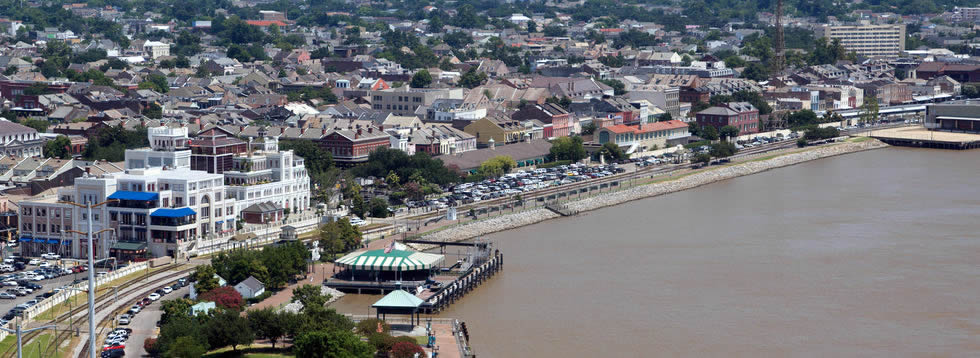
(801, 142)
(381, 341)
(406, 349)
(370, 326)
(554, 164)
(150, 346)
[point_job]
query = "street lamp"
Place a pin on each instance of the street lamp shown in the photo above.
(91, 271)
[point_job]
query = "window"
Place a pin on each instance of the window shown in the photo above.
(95, 216)
(193, 200)
(113, 216)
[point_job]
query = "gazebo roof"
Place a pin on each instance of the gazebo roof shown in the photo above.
(395, 260)
(398, 299)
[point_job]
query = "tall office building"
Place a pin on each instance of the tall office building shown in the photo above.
(869, 40)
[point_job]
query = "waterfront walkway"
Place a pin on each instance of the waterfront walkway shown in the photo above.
(321, 272)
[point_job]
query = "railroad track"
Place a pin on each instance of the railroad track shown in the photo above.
(103, 301)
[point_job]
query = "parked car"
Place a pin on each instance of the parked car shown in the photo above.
(124, 319)
(154, 296)
(34, 262)
(7, 295)
(50, 256)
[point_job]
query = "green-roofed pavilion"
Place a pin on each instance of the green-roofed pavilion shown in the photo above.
(394, 265)
(398, 302)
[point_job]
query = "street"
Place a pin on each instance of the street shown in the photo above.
(144, 325)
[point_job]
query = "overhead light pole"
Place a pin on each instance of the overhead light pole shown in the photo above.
(91, 271)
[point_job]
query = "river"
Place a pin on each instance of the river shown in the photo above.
(868, 254)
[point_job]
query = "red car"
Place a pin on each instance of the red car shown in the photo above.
(113, 347)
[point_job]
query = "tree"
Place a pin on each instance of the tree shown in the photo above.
(568, 148)
(618, 87)
(472, 79)
(722, 149)
(612, 151)
(756, 72)
(728, 132)
(57, 148)
(554, 31)
(563, 102)
(175, 309)
(378, 208)
(532, 26)
(228, 328)
(155, 82)
(269, 324)
(869, 110)
(686, 60)
(708, 133)
(151, 347)
(497, 166)
(204, 279)
(406, 350)
(310, 296)
(701, 158)
(421, 79)
(588, 128)
(358, 207)
(339, 236)
(153, 111)
(39, 125)
(663, 117)
(802, 118)
(970, 91)
(186, 347)
(225, 297)
(331, 343)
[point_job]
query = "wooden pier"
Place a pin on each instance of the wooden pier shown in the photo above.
(465, 283)
(923, 138)
(562, 209)
(384, 287)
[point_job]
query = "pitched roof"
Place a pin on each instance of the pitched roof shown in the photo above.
(398, 299)
(252, 283)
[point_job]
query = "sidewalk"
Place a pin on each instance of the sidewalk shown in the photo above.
(321, 272)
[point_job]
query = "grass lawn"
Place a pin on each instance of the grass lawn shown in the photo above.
(859, 139)
(39, 344)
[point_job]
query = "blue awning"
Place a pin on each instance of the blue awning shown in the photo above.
(219, 221)
(66, 242)
(134, 195)
(52, 241)
(173, 213)
(25, 239)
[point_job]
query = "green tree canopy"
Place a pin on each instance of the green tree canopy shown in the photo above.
(497, 166)
(568, 148)
(421, 79)
(58, 148)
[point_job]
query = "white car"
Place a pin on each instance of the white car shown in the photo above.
(10, 283)
(50, 256)
(124, 319)
(45, 264)
(153, 296)
(36, 278)
(167, 289)
(34, 262)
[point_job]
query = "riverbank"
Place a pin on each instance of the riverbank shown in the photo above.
(682, 182)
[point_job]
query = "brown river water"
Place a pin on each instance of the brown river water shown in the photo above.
(873, 254)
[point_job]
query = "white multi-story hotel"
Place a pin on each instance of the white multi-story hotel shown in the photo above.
(160, 206)
(266, 174)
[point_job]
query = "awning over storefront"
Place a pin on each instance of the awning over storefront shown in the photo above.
(129, 246)
(26, 239)
(134, 195)
(66, 242)
(52, 241)
(173, 213)
(395, 260)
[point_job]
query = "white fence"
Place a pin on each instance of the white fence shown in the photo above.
(60, 297)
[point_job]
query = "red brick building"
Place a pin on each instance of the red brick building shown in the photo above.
(214, 149)
(741, 115)
(353, 146)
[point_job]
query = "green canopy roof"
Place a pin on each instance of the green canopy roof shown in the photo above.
(398, 299)
(395, 260)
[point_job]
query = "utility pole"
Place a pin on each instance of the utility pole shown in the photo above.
(91, 271)
(20, 332)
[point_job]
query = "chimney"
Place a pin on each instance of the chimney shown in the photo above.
(323, 131)
(241, 128)
(302, 130)
(358, 131)
(282, 130)
(381, 127)
(370, 129)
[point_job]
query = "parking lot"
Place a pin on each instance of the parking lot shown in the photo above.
(520, 182)
(37, 280)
